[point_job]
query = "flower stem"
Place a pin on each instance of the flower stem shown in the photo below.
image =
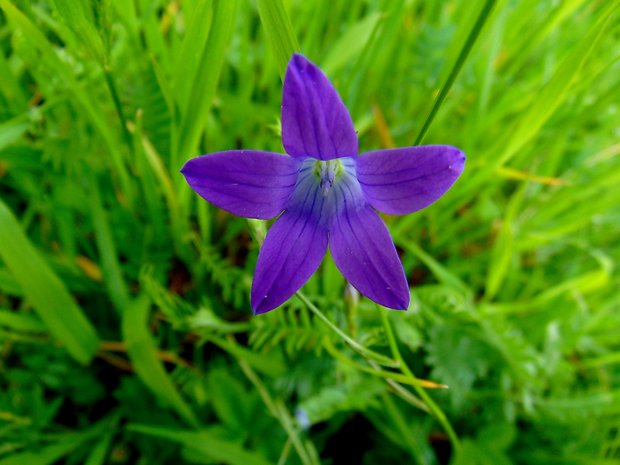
(379, 373)
(382, 359)
(398, 361)
(434, 409)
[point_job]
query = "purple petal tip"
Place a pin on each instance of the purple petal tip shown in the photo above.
(261, 307)
(398, 302)
(299, 59)
(459, 159)
(184, 168)
(404, 304)
(299, 62)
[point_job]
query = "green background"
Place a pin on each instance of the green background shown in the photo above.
(125, 326)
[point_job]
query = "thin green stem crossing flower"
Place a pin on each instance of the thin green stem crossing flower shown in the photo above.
(325, 194)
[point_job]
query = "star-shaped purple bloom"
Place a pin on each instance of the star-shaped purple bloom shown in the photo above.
(327, 192)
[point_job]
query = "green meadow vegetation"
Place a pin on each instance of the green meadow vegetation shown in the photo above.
(126, 330)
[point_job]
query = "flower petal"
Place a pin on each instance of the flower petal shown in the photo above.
(315, 122)
(292, 252)
(363, 251)
(405, 180)
(246, 183)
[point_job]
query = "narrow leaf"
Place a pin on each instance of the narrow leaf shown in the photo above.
(206, 442)
(143, 354)
(351, 43)
(107, 250)
(188, 57)
(194, 115)
(19, 321)
(46, 455)
(45, 290)
(279, 31)
(456, 68)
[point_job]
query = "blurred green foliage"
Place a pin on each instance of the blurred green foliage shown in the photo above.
(125, 326)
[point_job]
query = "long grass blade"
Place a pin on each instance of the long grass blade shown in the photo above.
(47, 293)
(195, 113)
(456, 68)
(205, 443)
(279, 31)
(143, 354)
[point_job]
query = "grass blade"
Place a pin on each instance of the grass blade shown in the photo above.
(194, 116)
(279, 31)
(107, 250)
(46, 455)
(187, 64)
(205, 442)
(45, 290)
(142, 353)
(351, 44)
(22, 322)
(456, 68)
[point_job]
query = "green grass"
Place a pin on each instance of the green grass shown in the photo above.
(125, 324)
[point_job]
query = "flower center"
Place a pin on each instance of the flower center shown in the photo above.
(326, 188)
(327, 172)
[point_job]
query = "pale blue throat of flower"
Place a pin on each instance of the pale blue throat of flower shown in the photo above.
(324, 188)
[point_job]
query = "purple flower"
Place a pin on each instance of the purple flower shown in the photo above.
(328, 193)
